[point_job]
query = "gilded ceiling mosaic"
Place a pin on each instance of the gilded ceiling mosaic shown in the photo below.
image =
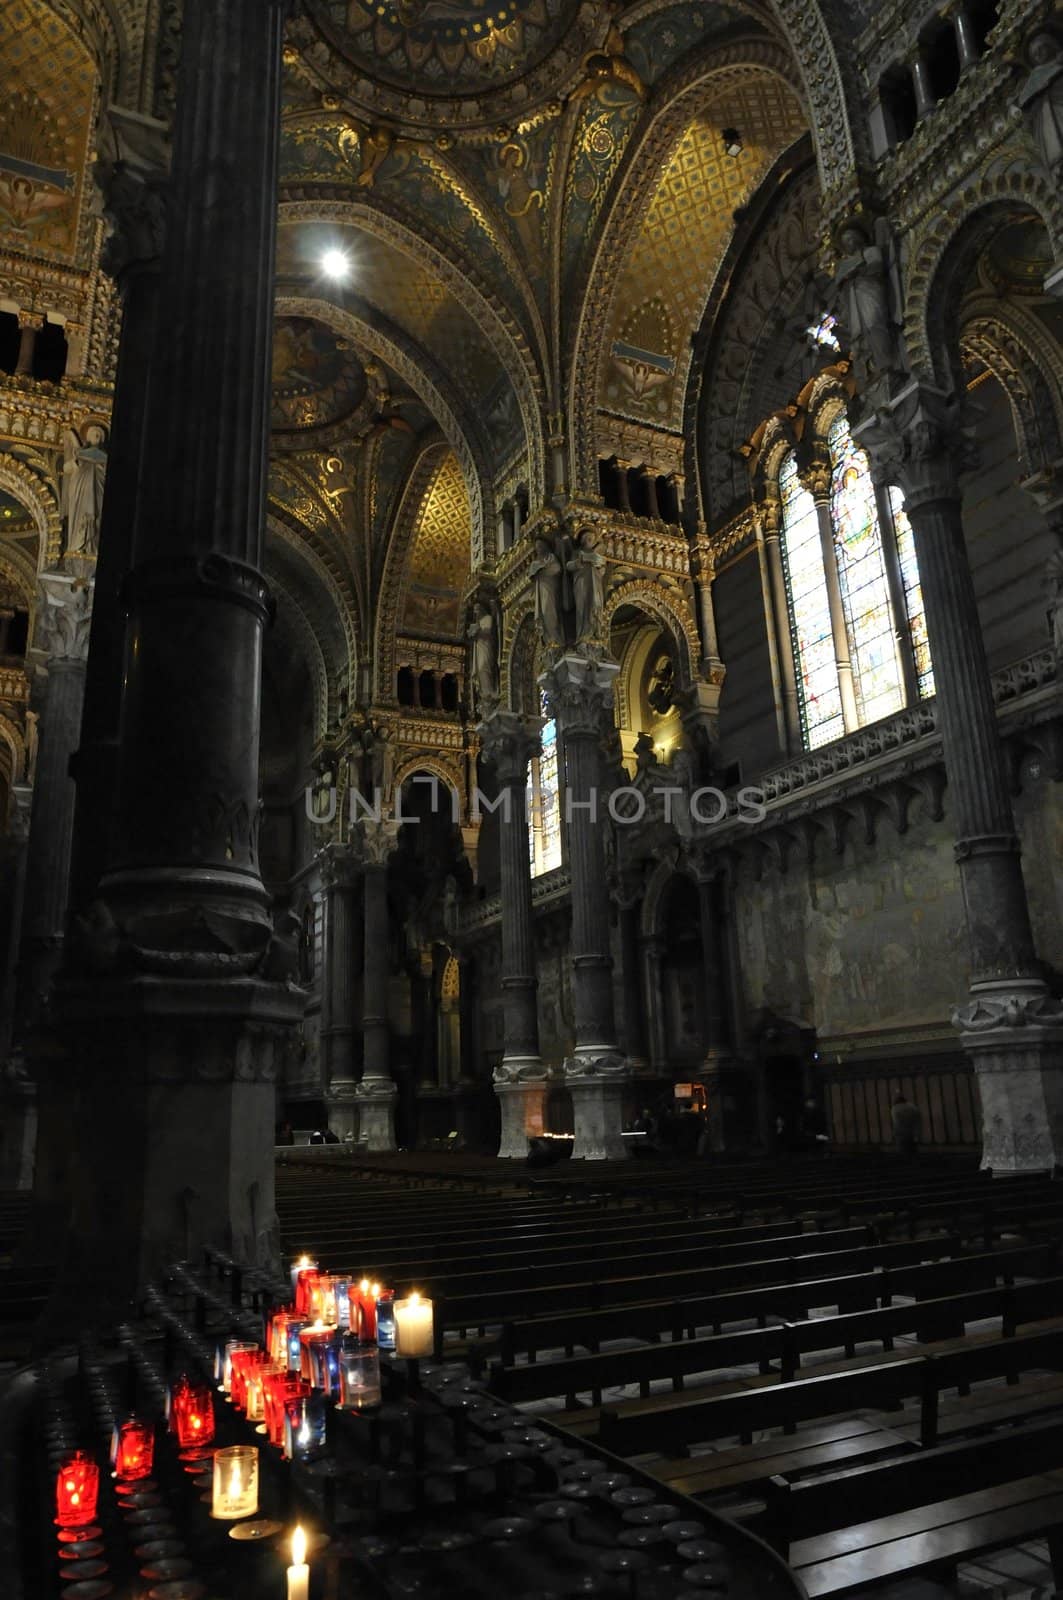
(446, 45)
(317, 377)
(439, 559)
(659, 297)
(47, 93)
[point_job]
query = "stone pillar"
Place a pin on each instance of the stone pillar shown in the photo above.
(580, 694)
(18, 1092)
(652, 956)
(924, 93)
(966, 43)
(1011, 1027)
(623, 488)
(132, 178)
(634, 1001)
(773, 584)
(30, 324)
(520, 1079)
(340, 1039)
(176, 1023)
(713, 1015)
(649, 479)
(61, 634)
(376, 1094)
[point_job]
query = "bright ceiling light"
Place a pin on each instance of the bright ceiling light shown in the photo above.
(335, 265)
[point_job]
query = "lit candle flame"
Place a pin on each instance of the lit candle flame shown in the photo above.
(364, 1286)
(303, 1261)
(415, 1298)
(298, 1548)
(235, 1485)
(374, 1290)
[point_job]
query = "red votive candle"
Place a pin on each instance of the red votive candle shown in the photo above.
(77, 1489)
(134, 1450)
(194, 1416)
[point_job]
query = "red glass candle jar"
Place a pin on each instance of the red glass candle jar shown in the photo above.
(244, 1363)
(194, 1416)
(278, 1392)
(312, 1340)
(77, 1489)
(134, 1450)
(363, 1297)
(306, 1283)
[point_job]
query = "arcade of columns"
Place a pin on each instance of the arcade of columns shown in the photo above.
(155, 999)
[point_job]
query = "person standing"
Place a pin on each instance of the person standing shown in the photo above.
(907, 1125)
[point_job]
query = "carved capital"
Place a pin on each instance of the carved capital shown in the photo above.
(64, 617)
(921, 441)
(378, 840)
(508, 744)
(579, 693)
(340, 865)
(131, 177)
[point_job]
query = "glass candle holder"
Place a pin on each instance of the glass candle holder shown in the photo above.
(414, 1327)
(194, 1416)
(304, 1288)
(245, 1362)
(304, 1264)
(278, 1390)
(359, 1377)
(232, 1347)
(295, 1349)
(323, 1300)
(134, 1450)
(343, 1302)
(77, 1489)
(304, 1427)
(277, 1333)
(313, 1339)
(362, 1300)
(385, 1320)
(256, 1388)
(235, 1492)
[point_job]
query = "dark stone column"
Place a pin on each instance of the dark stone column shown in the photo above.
(340, 1036)
(1011, 1027)
(520, 1080)
(132, 178)
(634, 1000)
(713, 1015)
(62, 637)
(580, 692)
(30, 324)
(18, 1092)
(172, 1048)
(377, 1093)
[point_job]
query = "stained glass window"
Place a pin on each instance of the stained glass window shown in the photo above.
(810, 627)
(913, 594)
(544, 833)
(878, 678)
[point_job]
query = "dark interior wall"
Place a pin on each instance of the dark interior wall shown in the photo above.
(748, 730)
(1007, 540)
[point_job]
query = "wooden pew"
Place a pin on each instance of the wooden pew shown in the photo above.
(627, 1431)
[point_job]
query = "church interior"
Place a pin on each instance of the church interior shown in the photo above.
(531, 799)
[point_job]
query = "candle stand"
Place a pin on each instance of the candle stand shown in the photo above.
(439, 1490)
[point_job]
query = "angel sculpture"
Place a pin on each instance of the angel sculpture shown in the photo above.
(609, 65)
(84, 471)
(484, 636)
(587, 569)
(546, 576)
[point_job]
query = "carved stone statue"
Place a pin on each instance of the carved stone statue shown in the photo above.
(546, 576)
(1041, 99)
(84, 471)
(484, 636)
(64, 620)
(381, 760)
(587, 568)
(867, 299)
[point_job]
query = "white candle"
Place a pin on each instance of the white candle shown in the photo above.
(414, 1327)
(235, 1490)
(299, 1571)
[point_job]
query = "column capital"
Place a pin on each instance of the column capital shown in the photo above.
(378, 840)
(508, 742)
(31, 319)
(921, 441)
(579, 691)
(340, 865)
(64, 617)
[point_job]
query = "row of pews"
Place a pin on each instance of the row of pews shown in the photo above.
(863, 1363)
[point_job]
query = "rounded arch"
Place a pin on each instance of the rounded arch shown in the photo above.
(448, 771)
(39, 499)
(396, 561)
(942, 262)
(658, 603)
(989, 334)
(500, 328)
(520, 653)
(317, 613)
(655, 895)
(429, 388)
(675, 103)
(16, 745)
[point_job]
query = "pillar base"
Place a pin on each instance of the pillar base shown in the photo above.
(342, 1107)
(376, 1110)
(158, 1108)
(1014, 1038)
(520, 1087)
(597, 1085)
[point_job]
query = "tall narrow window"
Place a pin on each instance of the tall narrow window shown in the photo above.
(815, 660)
(878, 677)
(867, 538)
(544, 834)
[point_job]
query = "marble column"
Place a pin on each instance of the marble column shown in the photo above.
(924, 92)
(520, 1079)
(340, 1037)
(132, 178)
(966, 43)
(376, 1093)
(30, 324)
(780, 640)
(1011, 1028)
(61, 635)
(177, 1021)
(818, 482)
(579, 690)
